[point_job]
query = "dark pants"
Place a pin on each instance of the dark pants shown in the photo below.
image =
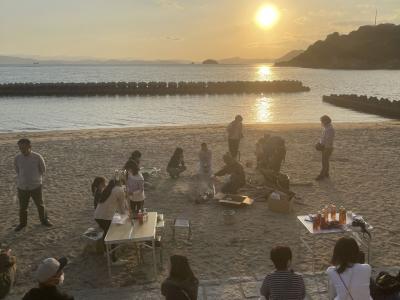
(326, 155)
(233, 147)
(24, 197)
(136, 206)
(105, 225)
(175, 172)
(231, 187)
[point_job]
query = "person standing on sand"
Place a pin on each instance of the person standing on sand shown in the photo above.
(30, 168)
(325, 146)
(235, 134)
(205, 161)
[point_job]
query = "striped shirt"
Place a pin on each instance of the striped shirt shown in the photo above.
(283, 285)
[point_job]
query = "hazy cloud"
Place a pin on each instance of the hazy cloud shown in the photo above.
(173, 38)
(170, 3)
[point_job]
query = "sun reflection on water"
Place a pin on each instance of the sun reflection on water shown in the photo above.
(263, 110)
(264, 72)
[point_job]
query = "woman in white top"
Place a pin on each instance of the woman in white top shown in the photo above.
(135, 187)
(348, 279)
(112, 200)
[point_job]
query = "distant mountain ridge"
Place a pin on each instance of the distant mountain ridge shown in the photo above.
(369, 47)
(14, 60)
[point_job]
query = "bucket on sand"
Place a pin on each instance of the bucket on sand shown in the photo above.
(229, 216)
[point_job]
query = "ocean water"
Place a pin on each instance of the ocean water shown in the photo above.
(61, 113)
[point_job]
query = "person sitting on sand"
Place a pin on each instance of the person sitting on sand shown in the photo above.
(176, 164)
(49, 275)
(98, 185)
(112, 200)
(135, 187)
(348, 279)
(283, 283)
(205, 160)
(8, 269)
(181, 283)
(237, 177)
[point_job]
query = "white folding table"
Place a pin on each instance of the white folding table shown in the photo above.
(129, 232)
(356, 232)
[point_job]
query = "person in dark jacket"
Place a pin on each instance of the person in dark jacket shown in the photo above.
(237, 176)
(181, 283)
(235, 134)
(176, 164)
(49, 275)
(8, 271)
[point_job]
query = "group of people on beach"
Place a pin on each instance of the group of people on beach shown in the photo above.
(110, 197)
(348, 277)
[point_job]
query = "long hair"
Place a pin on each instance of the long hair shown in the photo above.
(95, 184)
(107, 190)
(177, 153)
(345, 254)
(180, 269)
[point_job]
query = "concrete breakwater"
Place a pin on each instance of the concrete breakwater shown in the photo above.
(372, 105)
(150, 88)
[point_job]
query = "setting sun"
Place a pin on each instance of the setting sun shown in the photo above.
(267, 16)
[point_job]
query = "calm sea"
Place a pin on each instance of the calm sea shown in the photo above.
(58, 113)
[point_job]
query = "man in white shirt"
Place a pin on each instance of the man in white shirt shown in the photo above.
(30, 168)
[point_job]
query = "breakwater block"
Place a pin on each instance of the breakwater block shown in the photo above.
(372, 105)
(150, 88)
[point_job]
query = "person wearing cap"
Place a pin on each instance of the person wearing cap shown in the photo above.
(30, 168)
(49, 275)
(8, 269)
(235, 134)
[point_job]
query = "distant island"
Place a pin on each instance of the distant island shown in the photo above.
(210, 62)
(369, 47)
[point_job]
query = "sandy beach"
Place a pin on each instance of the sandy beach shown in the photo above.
(364, 178)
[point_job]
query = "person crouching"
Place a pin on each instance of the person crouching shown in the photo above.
(237, 177)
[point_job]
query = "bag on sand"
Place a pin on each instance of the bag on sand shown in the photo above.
(386, 286)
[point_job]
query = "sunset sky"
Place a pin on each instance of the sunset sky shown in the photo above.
(176, 29)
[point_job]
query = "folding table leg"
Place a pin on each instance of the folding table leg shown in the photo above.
(153, 243)
(108, 260)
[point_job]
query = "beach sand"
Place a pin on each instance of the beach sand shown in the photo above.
(364, 178)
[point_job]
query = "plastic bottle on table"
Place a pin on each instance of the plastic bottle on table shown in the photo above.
(140, 216)
(333, 212)
(145, 214)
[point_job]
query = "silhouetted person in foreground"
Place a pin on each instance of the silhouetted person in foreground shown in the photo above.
(237, 177)
(8, 270)
(181, 283)
(235, 134)
(30, 168)
(283, 283)
(176, 164)
(49, 275)
(325, 146)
